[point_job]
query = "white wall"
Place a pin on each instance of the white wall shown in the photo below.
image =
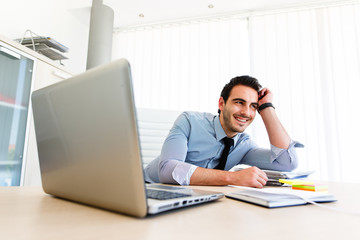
(61, 20)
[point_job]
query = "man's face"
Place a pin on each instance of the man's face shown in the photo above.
(239, 110)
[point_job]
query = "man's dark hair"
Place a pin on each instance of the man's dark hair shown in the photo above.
(242, 80)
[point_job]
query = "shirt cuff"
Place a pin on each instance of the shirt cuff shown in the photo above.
(276, 152)
(182, 173)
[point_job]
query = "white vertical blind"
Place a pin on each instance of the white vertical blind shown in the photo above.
(184, 66)
(311, 60)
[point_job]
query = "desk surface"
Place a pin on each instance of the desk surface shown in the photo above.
(29, 213)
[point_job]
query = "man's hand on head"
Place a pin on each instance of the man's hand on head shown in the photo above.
(265, 96)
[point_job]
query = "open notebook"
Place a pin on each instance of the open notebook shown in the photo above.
(279, 197)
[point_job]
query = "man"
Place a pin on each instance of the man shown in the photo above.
(200, 146)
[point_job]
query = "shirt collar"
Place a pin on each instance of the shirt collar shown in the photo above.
(220, 133)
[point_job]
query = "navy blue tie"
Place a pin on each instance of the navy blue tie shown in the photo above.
(228, 142)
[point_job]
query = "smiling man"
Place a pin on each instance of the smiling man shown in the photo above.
(202, 147)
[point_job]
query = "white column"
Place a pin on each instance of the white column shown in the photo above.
(100, 34)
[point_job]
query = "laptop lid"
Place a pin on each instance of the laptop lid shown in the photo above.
(88, 141)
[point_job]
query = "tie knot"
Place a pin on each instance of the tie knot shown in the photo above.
(228, 141)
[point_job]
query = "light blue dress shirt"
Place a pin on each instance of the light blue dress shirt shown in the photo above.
(195, 141)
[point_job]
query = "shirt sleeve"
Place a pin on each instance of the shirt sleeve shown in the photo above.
(274, 159)
(176, 172)
(172, 166)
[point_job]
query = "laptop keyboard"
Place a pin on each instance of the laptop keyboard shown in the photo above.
(164, 195)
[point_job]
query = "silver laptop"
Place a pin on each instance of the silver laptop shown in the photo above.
(88, 145)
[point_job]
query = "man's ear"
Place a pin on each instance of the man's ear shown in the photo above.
(221, 103)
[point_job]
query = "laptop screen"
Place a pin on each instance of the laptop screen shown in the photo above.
(88, 142)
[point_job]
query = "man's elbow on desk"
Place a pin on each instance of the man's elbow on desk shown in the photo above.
(286, 162)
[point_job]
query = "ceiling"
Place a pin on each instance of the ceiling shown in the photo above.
(142, 12)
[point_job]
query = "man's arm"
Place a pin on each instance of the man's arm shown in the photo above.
(277, 134)
(249, 177)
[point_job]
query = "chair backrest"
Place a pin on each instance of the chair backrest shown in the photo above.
(154, 126)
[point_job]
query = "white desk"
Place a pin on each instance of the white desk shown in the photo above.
(29, 213)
